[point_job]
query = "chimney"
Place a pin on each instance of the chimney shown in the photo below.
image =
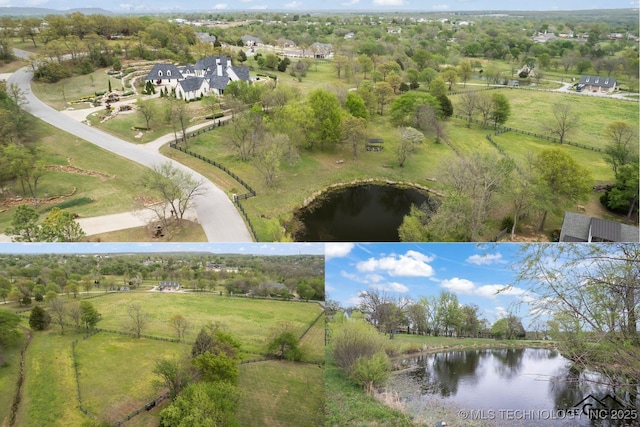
(219, 67)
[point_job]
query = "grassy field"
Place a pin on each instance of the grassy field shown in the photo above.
(250, 321)
(128, 386)
(316, 170)
(281, 394)
(115, 371)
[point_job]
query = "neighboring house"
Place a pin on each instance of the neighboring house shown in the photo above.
(168, 286)
(163, 74)
(251, 41)
(321, 50)
(583, 228)
(596, 84)
(206, 38)
(210, 74)
(285, 43)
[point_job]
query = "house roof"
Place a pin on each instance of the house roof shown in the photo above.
(163, 71)
(582, 228)
(206, 37)
(210, 63)
(598, 81)
(219, 82)
(191, 84)
(247, 38)
(241, 72)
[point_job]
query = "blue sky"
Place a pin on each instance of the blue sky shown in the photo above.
(309, 5)
(474, 273)
(220, 248)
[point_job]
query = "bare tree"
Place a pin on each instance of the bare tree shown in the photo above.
(179, 324)
(468, 105)
(138, 319)
(176, 188)
(147, 108)
(564, 121)
(58, 312)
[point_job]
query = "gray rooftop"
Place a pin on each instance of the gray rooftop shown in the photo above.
(582, 228)
(598, 81)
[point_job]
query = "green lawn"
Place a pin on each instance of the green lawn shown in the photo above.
(113, 189)
(49, 395)
(313, 342)
(250, 321)
(281, 394)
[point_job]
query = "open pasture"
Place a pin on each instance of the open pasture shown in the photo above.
(250, 321)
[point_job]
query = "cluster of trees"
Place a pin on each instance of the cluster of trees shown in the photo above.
(58, 226)
(19, 163)
(24, 278)
(203, 386)
(551, 181)
(80, 314)
(440, 315)
(622, 155)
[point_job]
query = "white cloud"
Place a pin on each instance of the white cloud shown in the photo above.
(388, 2)
(411, 264)
(259, 7)
(390, 287)
(440, 7)
(293, 5)
(491, 291)
(487, 259)
(329, 288)
(221, 6)
(501, 312)
(350, 3)
(457, 285)
(337, 250)
(375, 278)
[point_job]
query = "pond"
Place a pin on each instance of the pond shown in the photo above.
(503, 387)
(359, 213)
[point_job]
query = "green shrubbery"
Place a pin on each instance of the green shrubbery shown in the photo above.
(359, 349)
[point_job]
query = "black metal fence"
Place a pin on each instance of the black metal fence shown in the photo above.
(236, 197)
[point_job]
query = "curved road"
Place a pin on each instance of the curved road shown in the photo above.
(216, 213)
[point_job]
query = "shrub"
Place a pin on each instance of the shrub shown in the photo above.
(371, 372)
(39, 318)
(353, 339)
(70, 203)
(51, 72)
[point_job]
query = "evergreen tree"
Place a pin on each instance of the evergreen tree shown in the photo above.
(39, 318)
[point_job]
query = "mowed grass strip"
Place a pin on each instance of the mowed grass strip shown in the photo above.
(116, 372)
(250, 321)
(281, 394)
(49, 395)
(9, 375)
(313, 342)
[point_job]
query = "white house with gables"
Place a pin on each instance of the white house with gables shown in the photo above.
(209, 75)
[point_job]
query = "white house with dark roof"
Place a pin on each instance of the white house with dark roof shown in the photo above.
(597, 84)
(210, 74)
(164, 74)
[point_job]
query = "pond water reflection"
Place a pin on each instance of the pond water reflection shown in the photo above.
(520, 383)
(360, 213)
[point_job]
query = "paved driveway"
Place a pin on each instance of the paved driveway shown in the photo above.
(216, 213)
